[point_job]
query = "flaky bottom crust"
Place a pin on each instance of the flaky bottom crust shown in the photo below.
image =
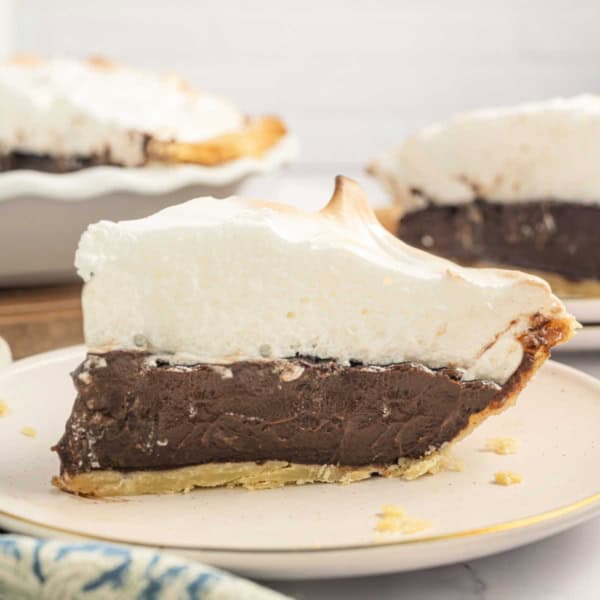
(249, 475)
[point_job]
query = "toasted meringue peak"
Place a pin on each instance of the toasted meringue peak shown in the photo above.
(349, 203)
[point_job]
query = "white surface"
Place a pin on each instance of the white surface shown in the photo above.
(313, 283)
(532, 151)
(75, 108)
(306, 531)
(6, 28)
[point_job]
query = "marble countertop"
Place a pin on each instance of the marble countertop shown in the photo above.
(563, 566)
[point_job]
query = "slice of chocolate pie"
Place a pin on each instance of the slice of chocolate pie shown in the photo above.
(515, 186)
(64, 115)
(240, 342)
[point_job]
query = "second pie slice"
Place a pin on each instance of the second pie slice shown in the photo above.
(241, 342)
(516, 186)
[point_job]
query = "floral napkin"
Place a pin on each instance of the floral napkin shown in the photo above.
(46, 569)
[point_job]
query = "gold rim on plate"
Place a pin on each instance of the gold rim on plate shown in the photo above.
(521, 523)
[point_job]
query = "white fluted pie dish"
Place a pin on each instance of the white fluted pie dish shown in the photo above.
(42, 215)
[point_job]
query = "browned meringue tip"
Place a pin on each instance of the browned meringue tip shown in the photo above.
(349, 202)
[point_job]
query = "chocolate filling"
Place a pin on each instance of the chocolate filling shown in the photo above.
(135, 412)
(50, 164)
(545, 235)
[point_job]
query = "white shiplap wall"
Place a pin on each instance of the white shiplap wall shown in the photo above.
(351, 76)
(6, 28)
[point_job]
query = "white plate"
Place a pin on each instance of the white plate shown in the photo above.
(585, 310)
(321, 530)
(42, 215)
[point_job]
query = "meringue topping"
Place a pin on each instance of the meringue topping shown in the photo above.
(544, 150)
(226, 280)
(85, 108)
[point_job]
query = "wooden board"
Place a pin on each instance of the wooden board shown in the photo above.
(34, 320)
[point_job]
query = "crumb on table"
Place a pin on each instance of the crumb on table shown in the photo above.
(502, 445)
(29, 432)
(507, 478)
(3, 408)
(393, 519)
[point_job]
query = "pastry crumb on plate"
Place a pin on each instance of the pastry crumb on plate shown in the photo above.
(392, 510)
(501, 445)
(393, 519)
(29, 432)
(507, 478)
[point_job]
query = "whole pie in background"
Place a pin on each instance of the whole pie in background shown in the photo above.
(62, 115)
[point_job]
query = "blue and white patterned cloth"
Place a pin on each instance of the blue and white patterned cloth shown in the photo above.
(52, 570)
